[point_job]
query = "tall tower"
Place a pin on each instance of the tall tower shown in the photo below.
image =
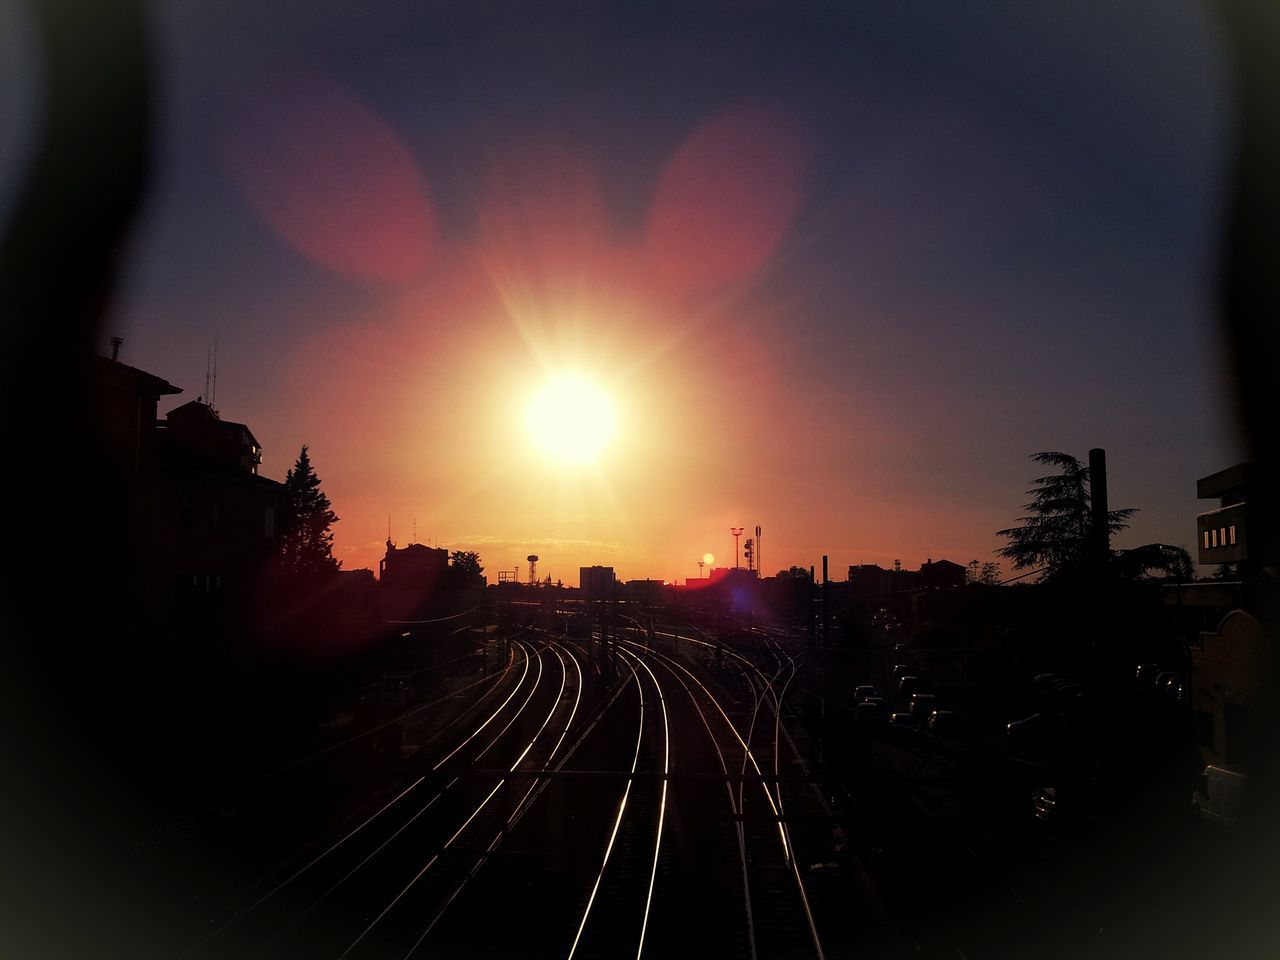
(737, 532)
(533, 569)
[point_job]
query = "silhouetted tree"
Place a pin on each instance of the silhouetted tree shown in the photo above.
(1055, 533)
(306, 542)
(987, 574)
(1142, 563)
(466, 565)
(794, 573)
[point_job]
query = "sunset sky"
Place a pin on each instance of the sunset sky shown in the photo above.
(832, 273)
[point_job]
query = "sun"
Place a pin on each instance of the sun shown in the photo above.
(708, 558)
(571, 419)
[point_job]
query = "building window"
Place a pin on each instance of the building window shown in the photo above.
(1222, 536)
(1215, 536)
(1206, 539)
(1232, 531)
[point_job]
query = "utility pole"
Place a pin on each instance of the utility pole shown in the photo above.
(1100, 550)
(822, 673)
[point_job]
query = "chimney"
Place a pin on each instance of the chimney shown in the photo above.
(1098, 505)
(116, 343)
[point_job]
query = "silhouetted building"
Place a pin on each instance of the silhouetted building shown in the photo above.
(1230, 657)
(414, 563)
(194, 433)
(644, 591)
(941, 574)
(216, 519)
(203, 523)
(596, 583)
(357, 579)
(411, 580)
(870, 583)
(1223, 534)
(125, 404)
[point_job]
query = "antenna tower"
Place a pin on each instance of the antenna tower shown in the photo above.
(533, 569)
(737, 532)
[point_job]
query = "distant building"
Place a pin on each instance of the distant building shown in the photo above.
(596, 583)
(411, 580)
(360, 579)
(941, 574)
(870, 583)
(411, 564)
(644, 591)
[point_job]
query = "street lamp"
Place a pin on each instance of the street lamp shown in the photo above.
(701, 564)
(737, 532)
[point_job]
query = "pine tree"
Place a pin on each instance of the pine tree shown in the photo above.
(306, 542)
(1055, 534)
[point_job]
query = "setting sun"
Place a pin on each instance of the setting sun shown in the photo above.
(571, 420)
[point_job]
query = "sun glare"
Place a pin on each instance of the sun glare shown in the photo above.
(571, 420)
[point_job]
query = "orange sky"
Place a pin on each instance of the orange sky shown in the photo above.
(415, 408)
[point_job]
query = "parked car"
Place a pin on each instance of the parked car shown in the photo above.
(874, 706)
(907, 686)
(900, 670)
(1063, 803)
(1163, 680)
(1045, 802)
(861, 693)
(1065, 695)
(945, 723)
(905, 720)
(1146, 674)
(1037, 735)
(1037, 721)
(922, 704)
(1045, 680)
(1220, 793)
